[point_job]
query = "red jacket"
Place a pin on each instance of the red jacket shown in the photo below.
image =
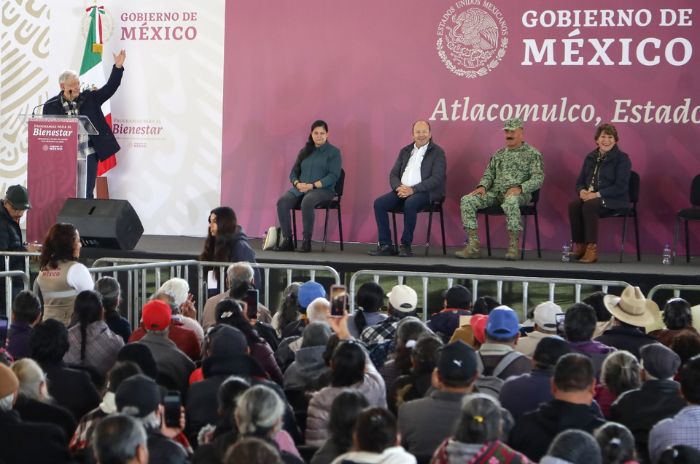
(184, 338)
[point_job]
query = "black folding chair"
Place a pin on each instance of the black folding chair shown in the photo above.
(688, 214)
(333, 203)
(433, 207)
(525, 210)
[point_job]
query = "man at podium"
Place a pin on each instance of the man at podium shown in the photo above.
(71, 101)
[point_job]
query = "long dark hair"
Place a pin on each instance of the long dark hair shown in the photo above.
(88, 308)
(308, 148)
(58, 246)
(218, 247)
(229, 312)
(369, 298)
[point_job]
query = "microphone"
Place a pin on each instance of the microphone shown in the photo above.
(42, 104)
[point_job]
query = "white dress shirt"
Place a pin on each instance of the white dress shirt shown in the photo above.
(411, 175)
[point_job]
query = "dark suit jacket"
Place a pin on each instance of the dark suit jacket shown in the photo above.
(613, 178)
(25, 443)
(90, 103)
(432, 171)
(71, 388)
(31, 410)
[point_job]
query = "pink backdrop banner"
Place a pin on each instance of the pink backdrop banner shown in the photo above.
(51, 171)
(372, 68)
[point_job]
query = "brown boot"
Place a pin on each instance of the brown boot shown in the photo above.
(513, 252)
(578, 251)
(472, 250)
(591, 254)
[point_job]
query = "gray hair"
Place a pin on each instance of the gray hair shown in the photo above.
(575, 446)
(239, 273)
(480, 421)
(176, 288)
(315, 334)
(117, 438)
(110, 290)
(6, 403)
(30, 378)
(67, 74)
(259, 411)
(620, 372)
(318, 310)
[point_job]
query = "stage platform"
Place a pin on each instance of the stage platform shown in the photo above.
(645, 274)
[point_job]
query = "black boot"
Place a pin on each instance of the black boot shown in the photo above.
(305, 246)
(285, 245)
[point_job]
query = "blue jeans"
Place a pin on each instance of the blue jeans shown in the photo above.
(411, 205)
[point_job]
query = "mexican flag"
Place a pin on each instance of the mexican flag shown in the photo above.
(91, 72)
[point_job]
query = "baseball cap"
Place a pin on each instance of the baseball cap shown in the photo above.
(458, 296)
(503, 323)
(478, 323)
(659, 360)
(512, 124)
(156, 315)
(140, 394)
(403, 298)
(545, 316)
(18, 197)
(457, 362)
(309, 291)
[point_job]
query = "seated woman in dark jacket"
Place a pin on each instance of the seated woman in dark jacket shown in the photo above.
(602, 184)
(313, 177)
(226, 243)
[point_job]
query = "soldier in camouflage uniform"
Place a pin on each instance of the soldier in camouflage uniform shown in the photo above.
(513, 173)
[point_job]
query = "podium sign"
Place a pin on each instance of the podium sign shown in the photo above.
(51, 170)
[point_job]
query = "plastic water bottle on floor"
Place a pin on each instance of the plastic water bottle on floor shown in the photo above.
(565, 250)
(666, 257)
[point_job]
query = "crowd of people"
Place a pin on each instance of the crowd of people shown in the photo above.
(612, 379)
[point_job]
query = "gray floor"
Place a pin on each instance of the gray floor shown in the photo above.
(355, 254)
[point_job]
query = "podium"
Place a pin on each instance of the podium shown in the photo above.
(56, 168)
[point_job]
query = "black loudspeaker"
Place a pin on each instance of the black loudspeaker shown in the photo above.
(103, 223)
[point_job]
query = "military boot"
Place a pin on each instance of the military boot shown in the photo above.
(471, 251)
(513, 253)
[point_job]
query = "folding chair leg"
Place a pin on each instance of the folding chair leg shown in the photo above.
(393, 220)
(430, 225)
(522, 247)
(340, 227)
(687, 243)
(636, 236)
(294, 227)
(624, 234)
(488, 234)
(325, 231)
(442, 230)
(676, 230)
(537, 235)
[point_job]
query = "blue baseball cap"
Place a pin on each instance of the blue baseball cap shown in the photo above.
(503, 323)
(309, 291)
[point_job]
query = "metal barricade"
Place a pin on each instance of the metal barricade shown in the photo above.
(8, 282)
(8, 275)
(139, 286)
(677, 289)
(137, 291)
(312, 269)
(551, 282)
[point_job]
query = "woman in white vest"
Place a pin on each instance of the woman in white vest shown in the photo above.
(61, 276)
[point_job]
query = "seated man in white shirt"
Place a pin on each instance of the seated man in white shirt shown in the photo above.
(417, 179)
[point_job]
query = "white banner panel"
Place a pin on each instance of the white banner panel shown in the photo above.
(167, 113)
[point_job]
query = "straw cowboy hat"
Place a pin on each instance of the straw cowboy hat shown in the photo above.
(631, 307)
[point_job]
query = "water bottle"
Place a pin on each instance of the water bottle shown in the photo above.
(666, 257)
(565, 252)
